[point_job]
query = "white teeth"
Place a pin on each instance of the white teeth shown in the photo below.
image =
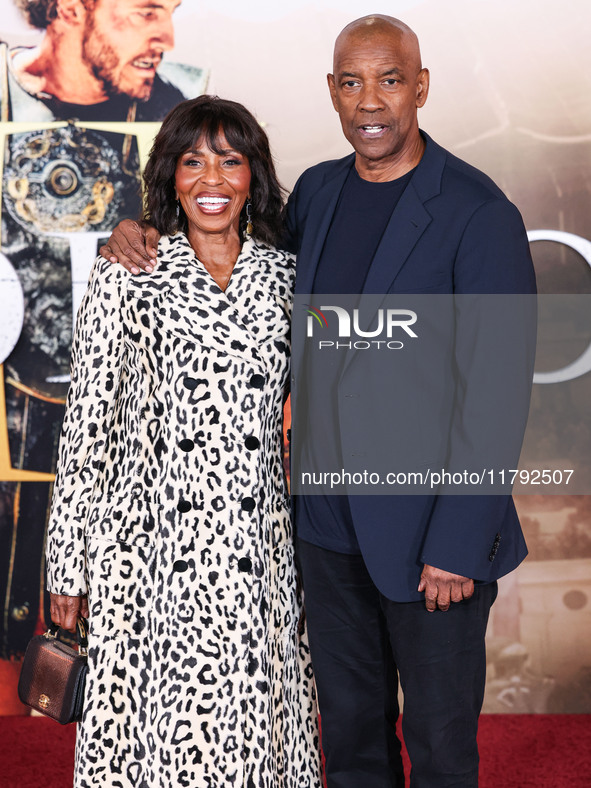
(373, 129)
(213, 200)
(143, 63)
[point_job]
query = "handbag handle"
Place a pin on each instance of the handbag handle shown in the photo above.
(81, 634)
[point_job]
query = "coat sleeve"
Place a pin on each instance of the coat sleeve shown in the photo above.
(97, 352)
(492, 389)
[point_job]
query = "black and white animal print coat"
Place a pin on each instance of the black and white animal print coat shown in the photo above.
(170, 509)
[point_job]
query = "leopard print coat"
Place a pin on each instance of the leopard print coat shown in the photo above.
(171, 511)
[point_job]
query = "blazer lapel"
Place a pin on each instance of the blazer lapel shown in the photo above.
(318, 220)
(321, 211)
(408, 222)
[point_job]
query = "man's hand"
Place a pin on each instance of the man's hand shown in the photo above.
(133, 245)
(441, 588)
(65, 610)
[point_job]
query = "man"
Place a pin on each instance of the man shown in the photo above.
(98, 60)
(443, 227)
(395, 583)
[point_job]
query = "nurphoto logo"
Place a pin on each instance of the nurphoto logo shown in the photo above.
(377, 337)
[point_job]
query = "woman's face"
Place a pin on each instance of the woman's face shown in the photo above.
(212, 188)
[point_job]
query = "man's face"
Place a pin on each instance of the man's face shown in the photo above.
(124, 41)
(376, 88)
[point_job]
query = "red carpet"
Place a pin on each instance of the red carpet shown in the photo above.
(529, 751)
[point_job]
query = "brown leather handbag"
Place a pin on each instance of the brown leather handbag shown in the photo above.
(53, 675)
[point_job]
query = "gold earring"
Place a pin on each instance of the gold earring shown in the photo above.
(248, 219)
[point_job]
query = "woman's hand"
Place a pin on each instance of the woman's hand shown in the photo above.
(65, 610)
(133, 245)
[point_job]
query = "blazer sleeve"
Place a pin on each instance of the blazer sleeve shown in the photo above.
(493, 258)
(97, 352)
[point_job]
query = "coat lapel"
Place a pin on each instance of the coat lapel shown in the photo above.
(261, 292)
(189, 304)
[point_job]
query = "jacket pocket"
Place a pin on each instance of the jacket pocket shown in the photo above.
(124, 518)
(121, 563)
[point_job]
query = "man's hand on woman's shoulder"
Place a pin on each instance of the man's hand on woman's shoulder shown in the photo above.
(133, 245)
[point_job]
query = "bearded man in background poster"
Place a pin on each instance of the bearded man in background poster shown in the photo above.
(98, 60)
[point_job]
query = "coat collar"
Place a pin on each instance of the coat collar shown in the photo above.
(274, 271)
(235, 322)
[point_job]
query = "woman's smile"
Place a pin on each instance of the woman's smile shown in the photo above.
(211, 202)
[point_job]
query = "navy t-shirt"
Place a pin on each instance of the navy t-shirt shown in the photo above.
(361, 216)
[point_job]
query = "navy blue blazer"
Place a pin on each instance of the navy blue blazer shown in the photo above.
(452, 231)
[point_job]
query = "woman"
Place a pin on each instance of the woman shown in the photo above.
(170, 507)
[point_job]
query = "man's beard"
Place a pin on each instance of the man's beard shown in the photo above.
(104, 62)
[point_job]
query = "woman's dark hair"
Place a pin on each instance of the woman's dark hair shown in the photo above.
(205, 117)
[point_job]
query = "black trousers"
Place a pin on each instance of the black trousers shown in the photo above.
(360, 641)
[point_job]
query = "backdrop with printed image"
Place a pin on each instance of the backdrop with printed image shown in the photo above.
(80, 101)
(509, 93)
